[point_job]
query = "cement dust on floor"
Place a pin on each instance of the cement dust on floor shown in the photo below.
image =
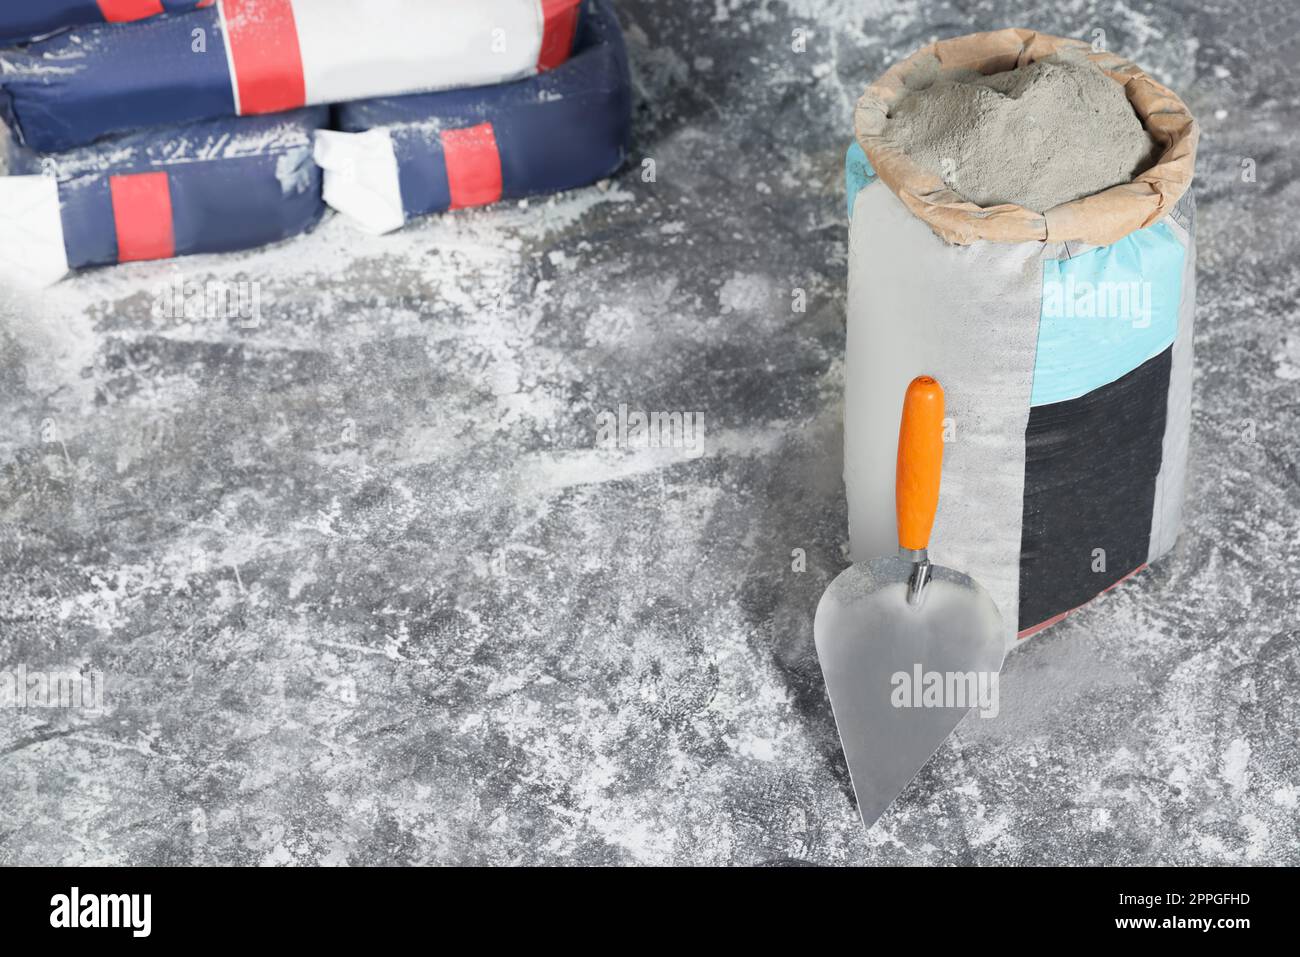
(363, 589)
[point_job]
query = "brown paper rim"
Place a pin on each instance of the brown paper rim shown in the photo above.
(1099, 219)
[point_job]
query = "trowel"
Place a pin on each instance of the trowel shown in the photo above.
(905, 645)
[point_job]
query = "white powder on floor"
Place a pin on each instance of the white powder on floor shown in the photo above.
(1040, 135)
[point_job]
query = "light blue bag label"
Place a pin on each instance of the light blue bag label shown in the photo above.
(1106, 312)
(857, 173)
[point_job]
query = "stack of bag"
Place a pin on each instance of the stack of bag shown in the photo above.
(144, 129)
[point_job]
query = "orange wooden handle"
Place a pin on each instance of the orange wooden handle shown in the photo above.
(920, 460)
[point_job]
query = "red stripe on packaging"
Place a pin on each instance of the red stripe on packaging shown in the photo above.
(1035, 629)
(123, 11)
(265, 61)
(559, 23)
(142, 216)
(473, 165)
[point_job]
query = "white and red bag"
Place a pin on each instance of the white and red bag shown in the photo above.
(240, 57)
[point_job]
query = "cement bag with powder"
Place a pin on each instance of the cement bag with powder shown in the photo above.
(23, 20)
(400, 157)
(210, 187)
(1063, 340)
(241, 57)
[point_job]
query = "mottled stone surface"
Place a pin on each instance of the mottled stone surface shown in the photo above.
(364, 591)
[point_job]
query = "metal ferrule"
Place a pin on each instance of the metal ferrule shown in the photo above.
(917, 581)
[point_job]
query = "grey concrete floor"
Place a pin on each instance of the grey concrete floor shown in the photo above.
(364, 591)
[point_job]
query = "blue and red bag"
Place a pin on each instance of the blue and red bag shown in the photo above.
(398, 157)
(23, 20)
(211, 187)
(241, 57)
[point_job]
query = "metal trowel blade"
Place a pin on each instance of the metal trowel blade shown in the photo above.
(874, 648)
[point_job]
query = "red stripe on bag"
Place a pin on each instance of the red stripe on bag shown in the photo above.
(473, 165)
(123, 11)
(559, 23)
(142, 216)
(264, 57)
(1035, 629)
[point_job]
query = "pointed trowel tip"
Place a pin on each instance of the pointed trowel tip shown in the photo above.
(888, 665)
(869, 818)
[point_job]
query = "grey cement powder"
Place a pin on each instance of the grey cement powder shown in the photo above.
(1041, 135)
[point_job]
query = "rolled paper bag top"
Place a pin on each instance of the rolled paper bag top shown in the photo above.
(1098, 219)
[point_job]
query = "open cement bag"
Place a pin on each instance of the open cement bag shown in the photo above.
(23, 20)
(399, 157)
(1063, 341)
(242, 57)
(210, 187)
